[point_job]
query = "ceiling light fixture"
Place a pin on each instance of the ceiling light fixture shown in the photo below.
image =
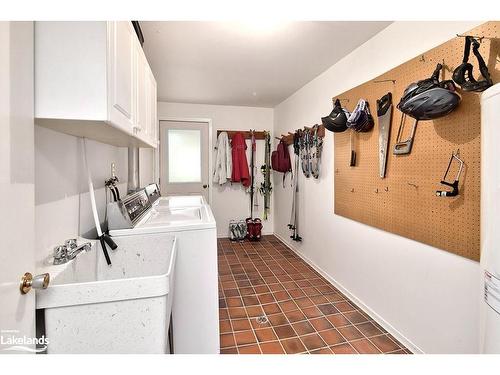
(262, 26)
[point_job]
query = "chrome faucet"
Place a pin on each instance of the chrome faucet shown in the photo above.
(69, 251)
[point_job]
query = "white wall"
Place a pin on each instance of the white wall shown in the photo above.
(62, 203)
(424, 295)
(229, 201)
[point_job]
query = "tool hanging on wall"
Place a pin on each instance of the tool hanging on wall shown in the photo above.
(352, 160)
(454, 185)
(384, 114)
(266, 187)
(294, 221)
(404, 147)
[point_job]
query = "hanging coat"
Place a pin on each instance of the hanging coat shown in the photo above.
(223, 160)
(240, 165)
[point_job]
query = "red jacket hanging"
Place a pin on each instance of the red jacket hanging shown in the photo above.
(240, 166)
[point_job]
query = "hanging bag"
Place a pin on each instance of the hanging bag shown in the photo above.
(280, 159)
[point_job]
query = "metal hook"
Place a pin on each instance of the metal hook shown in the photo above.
(448, 68)
(352, 190)
(386, 188)
(479, 38)
(385, 80)
(376, 190)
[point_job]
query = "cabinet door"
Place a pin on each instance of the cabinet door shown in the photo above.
(121, 77)
(152, 110)
(142, 126)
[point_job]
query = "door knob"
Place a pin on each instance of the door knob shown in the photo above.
(38, 282)
(205, 186)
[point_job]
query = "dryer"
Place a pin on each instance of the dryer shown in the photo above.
(195, 310)
(490, 215)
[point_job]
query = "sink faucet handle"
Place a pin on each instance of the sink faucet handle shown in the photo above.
(71, 243)
(60, 254)
(72, 253)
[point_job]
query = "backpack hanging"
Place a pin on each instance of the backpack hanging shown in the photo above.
(280, 160)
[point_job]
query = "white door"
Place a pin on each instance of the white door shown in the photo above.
(17, 312)
(121, 67)
(184, 158)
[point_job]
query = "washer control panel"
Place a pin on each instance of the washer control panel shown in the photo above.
(136, 205)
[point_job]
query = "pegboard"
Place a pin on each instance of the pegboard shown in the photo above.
(404, 202)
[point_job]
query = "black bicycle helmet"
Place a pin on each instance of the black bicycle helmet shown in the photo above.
(463, 73)
(429, 99)
(336, 121)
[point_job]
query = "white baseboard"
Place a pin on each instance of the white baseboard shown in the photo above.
(386, 325)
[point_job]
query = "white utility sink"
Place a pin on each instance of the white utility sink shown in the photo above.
(90, 307)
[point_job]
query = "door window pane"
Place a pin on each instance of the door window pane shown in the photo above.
(184, 155)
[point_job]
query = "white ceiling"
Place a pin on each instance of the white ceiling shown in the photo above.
(248, 64)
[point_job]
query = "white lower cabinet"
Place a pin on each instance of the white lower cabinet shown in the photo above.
(93, 80)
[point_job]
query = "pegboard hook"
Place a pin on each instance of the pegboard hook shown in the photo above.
(385, 80)
(479, 38)
(447, 68)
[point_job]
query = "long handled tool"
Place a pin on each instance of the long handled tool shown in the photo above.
(384, 114)
(352, 160)
(103, 237)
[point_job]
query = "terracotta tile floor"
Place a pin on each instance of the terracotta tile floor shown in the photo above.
(303, 312)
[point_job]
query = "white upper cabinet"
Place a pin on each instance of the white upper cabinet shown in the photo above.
(141, 94)
(92, 80)
(152, 119)
(121, 69)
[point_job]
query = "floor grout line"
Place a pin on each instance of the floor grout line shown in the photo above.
(291, 273)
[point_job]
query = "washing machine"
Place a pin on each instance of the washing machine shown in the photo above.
(490, 216)
(160, 202)
(195, 310)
